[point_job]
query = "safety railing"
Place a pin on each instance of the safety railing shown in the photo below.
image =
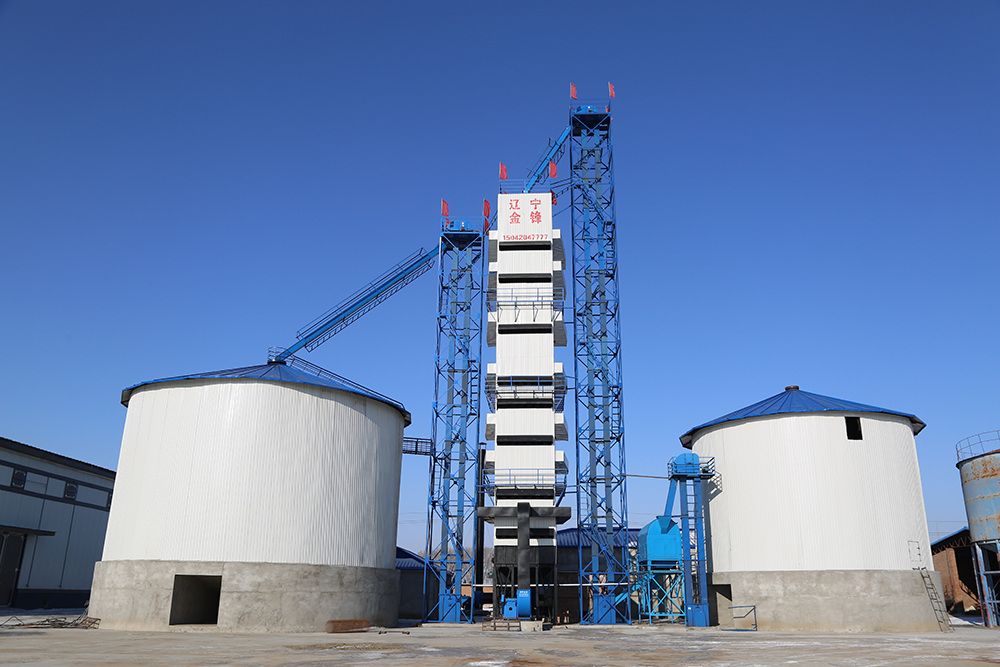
(525, 477)
(977, 445)
(752, 610)
(319, 371)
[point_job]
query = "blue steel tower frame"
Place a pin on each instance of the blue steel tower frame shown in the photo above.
(454, 461)
(602, 512)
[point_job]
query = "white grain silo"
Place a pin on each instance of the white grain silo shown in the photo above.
(257, 499)
(817, 517)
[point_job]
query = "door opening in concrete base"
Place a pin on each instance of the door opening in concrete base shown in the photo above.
(195, 600)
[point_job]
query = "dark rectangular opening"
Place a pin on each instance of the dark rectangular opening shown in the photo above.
(534, 533)
(70, 491)
(505, 493)
(524, 278)
(17, 479)
(195, 600)
(529, 328)
(853, 428)
(524, 402)
(524, 439)
(525, 245)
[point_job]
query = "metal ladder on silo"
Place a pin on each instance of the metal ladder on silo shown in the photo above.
(937, 604)
(944, 621)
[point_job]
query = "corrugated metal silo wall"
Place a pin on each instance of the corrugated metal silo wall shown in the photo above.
(793, 493)
(251, 471)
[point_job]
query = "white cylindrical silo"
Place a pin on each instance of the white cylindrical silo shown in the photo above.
(263, 498)
(816, 515)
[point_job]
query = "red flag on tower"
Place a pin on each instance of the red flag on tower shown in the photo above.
(552, 169)
(611, 90)
(444, 208)
(486, 216)
(572, 91)
(503, 172)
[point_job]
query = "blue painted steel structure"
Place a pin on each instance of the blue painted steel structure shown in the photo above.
(454, 462)
(657, 573)
(686, 474)
(361, 302)
(602, 510)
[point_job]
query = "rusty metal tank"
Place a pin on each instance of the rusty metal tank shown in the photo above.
(979, 465)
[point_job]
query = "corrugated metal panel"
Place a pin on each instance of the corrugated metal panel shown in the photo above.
(525, 354)
(219, 470)
(793, 493)
(524, 262)
(525, 460)
(46, 565)
(525, 421)
(17, 509)
(86, 542)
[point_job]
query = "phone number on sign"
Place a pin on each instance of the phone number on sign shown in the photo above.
(526, 237)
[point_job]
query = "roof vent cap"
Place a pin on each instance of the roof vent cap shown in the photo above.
(792, 387)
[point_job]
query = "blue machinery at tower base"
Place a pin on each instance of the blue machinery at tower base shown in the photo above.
(669, 575)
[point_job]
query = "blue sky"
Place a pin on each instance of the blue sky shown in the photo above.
(807, 193)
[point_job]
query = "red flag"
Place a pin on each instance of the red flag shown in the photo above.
(572, 91)
(503, 172)
(553, 197)
(444, 208)
(611, 90)
(486, 216)
(552, 169)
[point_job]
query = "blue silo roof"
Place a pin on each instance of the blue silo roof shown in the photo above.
(277, 372)
(794, 400)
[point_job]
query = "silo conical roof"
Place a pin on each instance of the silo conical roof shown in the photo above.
(794, 400)
(277, 372)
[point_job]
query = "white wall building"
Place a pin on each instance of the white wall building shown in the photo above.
(816, 515)
(259, 499)
(53, 517)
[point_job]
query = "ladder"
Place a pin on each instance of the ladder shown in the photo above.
(944, 621)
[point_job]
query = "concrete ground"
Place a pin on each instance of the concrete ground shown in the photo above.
(468, 646)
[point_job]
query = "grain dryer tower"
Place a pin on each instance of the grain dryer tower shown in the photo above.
(255, 499)
(816, 516)
(979, 465)
(526, 473)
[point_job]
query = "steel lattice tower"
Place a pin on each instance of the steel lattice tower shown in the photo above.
(600, 445)
(454, 461)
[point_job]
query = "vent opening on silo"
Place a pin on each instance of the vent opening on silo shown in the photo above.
(195, 599)
(853, 428)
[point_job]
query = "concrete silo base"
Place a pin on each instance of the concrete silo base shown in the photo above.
(826, 601)
(239, 597)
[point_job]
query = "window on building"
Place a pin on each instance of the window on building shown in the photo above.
(853, 428)
(17, 480)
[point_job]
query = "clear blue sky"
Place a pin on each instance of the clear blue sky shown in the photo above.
(807, 193)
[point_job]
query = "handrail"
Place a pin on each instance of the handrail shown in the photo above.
(977, 445)
(753, 610)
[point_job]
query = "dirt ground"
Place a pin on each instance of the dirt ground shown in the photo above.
(469, 646)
